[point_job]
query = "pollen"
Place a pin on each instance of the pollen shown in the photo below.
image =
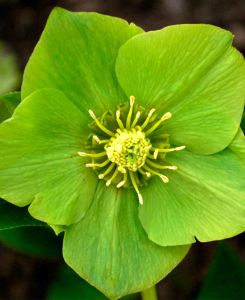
(128, 149)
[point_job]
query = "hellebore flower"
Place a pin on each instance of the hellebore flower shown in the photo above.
(114, 120)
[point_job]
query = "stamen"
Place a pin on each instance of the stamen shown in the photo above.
(147, 120)
(137, 116)
(169, 149)
(165, 117)
(108, 182)
(133, 180)
(147, 174)
(128, 120)
(99, 141)
(100, 154)
(163, 177)
(158, 166)
(99, 124)
(101, 165)
(119, 122)
(107, 171)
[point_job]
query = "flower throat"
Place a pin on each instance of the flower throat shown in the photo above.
(129, 147)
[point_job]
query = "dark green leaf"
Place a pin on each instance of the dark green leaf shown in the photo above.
(226, 277)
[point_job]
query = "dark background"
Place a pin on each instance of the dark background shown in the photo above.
(21, 23)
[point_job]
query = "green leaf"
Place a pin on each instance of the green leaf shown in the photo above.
(39, 160)
(193, 72)
(35, 241)
(110, 250)
(204, 199)
(9, 74)
(8, 103)
(226, 276)
(12, 217)
(76, 54)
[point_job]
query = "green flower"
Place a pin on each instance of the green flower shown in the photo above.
(100, 136)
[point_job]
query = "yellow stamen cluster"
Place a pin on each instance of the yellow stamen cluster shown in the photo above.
(129, 155)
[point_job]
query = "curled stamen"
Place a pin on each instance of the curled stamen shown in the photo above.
(99, 124)
(165, 117)
(133, 180)
(128, 120)
(101, 165)
(158, 166)
(147, 120)
(119, 121)
(108, 182)
(107, 171)
(163, 177)
(100, 154)
(99, 141)
(169, 149)
(136, 118)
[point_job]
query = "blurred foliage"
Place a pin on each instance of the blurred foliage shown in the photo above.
(9, 74)
(226, 276)
(34, 241)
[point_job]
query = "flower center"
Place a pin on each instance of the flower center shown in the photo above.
(128, 149)
(126, 153)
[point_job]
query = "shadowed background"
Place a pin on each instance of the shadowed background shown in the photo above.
(21, 23)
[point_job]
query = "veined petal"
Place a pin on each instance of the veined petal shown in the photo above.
(193, 72)
(39, 161)
(111, 240)
(76, 54)
(204, 199)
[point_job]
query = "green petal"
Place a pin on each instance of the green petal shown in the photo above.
(110, 250)
(39, 161)
(204, 199)
(238, 145)
(76, 54)
(193, 72)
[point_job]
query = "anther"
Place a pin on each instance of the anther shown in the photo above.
(107, 171)
(96, 139)
(137, 116)
(147, 120)
(108, 182)
(133, 180)
(120, 184)
(100, 154)
(158, 166)
(101, 165)
(164, 178)
(99, 141)
(119, 122)
(155, 154)
(170, 149)
(166, 116)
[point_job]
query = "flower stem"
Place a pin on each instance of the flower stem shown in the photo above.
(149, 294)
